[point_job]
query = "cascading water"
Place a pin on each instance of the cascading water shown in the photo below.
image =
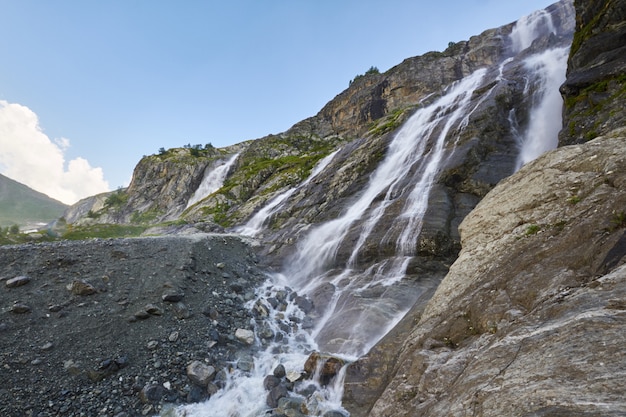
(547, 71)
(545, 120)
(358, 302)
(255, 224)
(212, 181)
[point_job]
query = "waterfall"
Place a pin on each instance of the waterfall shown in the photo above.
(254, 226)
(547, 71)
(212, 181)
(358, 299)
(545, 119)
(364, 302)
(529, 28)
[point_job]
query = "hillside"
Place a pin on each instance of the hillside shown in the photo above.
(449, 236)
(23, 206)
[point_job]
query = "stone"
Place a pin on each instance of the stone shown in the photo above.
(293, 376)
(141, 314)
(279, 371)
(275, 395)
(153, 310)
(200, 373)
(245, 362)
(46, 346)
(181, 310)
(173, 337)
(172, 296)
(152, 393)
(270, 382)
(152, 345)
(17, 281)
(245, 336)
(20, 308)
(81, 287)
(304, 304)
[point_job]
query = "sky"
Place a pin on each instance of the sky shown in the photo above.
(87, 88)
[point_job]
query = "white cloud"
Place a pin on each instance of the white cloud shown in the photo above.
(28, 156)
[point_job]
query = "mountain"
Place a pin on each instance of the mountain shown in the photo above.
(451, 230)
(23, 206)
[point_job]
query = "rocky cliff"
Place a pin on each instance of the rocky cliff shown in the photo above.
(530, 319)
(404, 179)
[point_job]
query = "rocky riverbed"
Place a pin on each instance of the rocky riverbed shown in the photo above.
(111, 327)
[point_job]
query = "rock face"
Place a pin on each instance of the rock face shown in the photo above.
(530, 318)
(595, 91)
(528, 321)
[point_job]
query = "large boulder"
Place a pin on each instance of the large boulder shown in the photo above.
(530, 319)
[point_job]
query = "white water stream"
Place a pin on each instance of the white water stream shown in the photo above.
(256, 222)
(357, 304)
(212, 181)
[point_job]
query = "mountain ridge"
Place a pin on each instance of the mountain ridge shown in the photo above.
(21, 205)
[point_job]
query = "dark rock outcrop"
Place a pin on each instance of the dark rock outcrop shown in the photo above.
(529, 320)
(595, 90)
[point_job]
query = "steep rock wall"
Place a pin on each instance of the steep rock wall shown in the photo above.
(529, 321)
(595, 90)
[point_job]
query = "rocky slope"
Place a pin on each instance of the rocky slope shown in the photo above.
(109, 327)
(530, 319)
(361, 121)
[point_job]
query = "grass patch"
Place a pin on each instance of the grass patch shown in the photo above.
(533, 229)
(103, 231)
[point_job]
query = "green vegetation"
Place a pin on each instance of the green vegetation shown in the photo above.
(592, 101)
(103, 231)
(22, 205)
(116, 200)
(532, 229)
(148, 216)
(619, 220)
(573, 200)
(388, 123)
(373, 70)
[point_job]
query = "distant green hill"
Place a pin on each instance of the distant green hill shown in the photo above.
(23, 206)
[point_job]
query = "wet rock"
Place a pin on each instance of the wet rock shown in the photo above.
(200, 373)
(18, 281)
(304, 303)
(196, 394)
(245, 362)
(245, 336)
(270, 382)
(328, 366)
(279, 371)
(81, 287)
(275, 395)
(293, 376)
(292, 406)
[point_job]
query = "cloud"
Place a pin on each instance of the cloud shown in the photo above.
(28, 156)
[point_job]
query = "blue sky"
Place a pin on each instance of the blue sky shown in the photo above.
(106, 82)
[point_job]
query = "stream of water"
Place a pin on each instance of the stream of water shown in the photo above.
(358, 303)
